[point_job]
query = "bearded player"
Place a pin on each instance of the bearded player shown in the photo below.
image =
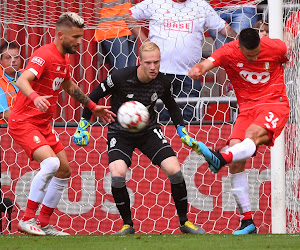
(255, 69)
(29, 123)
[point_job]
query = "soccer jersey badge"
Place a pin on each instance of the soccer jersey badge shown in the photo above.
(267, 66)
(36, 139)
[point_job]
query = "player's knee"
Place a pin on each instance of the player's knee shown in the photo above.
(237, 167)
(49, 167)
(64, 172)
(176, 178)
(118, 181)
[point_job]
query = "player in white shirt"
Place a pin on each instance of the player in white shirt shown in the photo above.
(178, 27)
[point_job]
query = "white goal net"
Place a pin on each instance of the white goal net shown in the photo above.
(87, 206)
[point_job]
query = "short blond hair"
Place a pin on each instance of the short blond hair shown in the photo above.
(70, 19)
(148, 46)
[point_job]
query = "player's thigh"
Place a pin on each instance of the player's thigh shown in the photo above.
(273, 118)
(31, 138)
(156, 147)
(242, 122)
(120, 147)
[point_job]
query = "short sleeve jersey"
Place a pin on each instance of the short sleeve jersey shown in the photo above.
(51, 70)
(177, 28)
(255, 83)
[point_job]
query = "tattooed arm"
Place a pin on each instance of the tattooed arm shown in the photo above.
(101, 111)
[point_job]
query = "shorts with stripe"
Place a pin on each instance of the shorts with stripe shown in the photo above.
(151, 143)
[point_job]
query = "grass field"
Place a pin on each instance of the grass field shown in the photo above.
(155, 242)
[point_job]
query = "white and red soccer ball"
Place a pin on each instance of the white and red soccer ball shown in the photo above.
(133, 116)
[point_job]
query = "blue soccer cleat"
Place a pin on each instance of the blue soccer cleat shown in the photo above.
(247, 227)
(215, 159)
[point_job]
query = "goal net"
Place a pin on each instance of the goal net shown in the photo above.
(87, 206)
(292, 78)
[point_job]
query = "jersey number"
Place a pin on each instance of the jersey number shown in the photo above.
(270, 119)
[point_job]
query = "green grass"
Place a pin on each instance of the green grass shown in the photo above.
(155, 242)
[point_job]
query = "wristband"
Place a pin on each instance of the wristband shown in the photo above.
(91, 105)
(33, 95)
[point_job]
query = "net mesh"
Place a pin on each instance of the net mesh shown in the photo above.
(87, 206)
(291, 36)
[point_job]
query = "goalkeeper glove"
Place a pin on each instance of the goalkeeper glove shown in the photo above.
(82, 135)
(186, 139)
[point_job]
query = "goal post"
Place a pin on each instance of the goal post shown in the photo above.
(278, 150)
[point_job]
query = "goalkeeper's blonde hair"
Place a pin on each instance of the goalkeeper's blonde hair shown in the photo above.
(148, 46)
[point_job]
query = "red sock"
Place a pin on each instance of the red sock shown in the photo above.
(44, 216)
(247, 215)
(30, 211)
(227, 155)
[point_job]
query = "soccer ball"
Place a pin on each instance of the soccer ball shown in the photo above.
(133, 116)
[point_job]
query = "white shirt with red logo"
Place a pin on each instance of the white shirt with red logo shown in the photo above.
(255, 83)
(51, 70)
(177, 28)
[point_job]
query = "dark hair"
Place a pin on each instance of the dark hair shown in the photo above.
(249, 38)
(70, 19)
(8, 45)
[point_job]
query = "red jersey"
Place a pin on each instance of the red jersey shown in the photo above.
(292, 24)
(255, 83)
(51, 70)
(226, 3)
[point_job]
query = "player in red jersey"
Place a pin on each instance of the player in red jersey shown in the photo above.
(29, 123)
(255, 69)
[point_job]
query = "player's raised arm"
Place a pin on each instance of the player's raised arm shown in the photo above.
(102, 112)
(201, 68)
(23, 83)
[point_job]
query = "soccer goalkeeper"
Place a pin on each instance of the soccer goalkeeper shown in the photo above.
(145, 84)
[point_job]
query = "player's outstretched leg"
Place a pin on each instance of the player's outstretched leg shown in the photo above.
(247, 227)
(189, 228)
(126, 229)
(215, 159)
(30, 227)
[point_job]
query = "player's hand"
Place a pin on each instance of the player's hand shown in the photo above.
(186, 139)
(195, 72)
(42, 103)
(82, 135)
(104, 113)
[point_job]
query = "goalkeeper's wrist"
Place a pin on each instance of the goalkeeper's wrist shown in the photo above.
(33, 95)
(91, 106)
(180, 131)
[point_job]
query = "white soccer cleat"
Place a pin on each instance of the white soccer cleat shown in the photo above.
(30, 227)
(50, 230)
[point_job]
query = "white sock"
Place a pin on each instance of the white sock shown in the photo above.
(41, 180)
(243, 150)
(240, 191)
(54, 191)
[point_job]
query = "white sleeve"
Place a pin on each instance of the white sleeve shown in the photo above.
(142, 10)
(213, 20)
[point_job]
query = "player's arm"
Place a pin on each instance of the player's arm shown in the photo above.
(200, 69)
(228, 32)
(23, 83)
(177, 119)
(101, 111)
(82, 136)
(134, 27)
